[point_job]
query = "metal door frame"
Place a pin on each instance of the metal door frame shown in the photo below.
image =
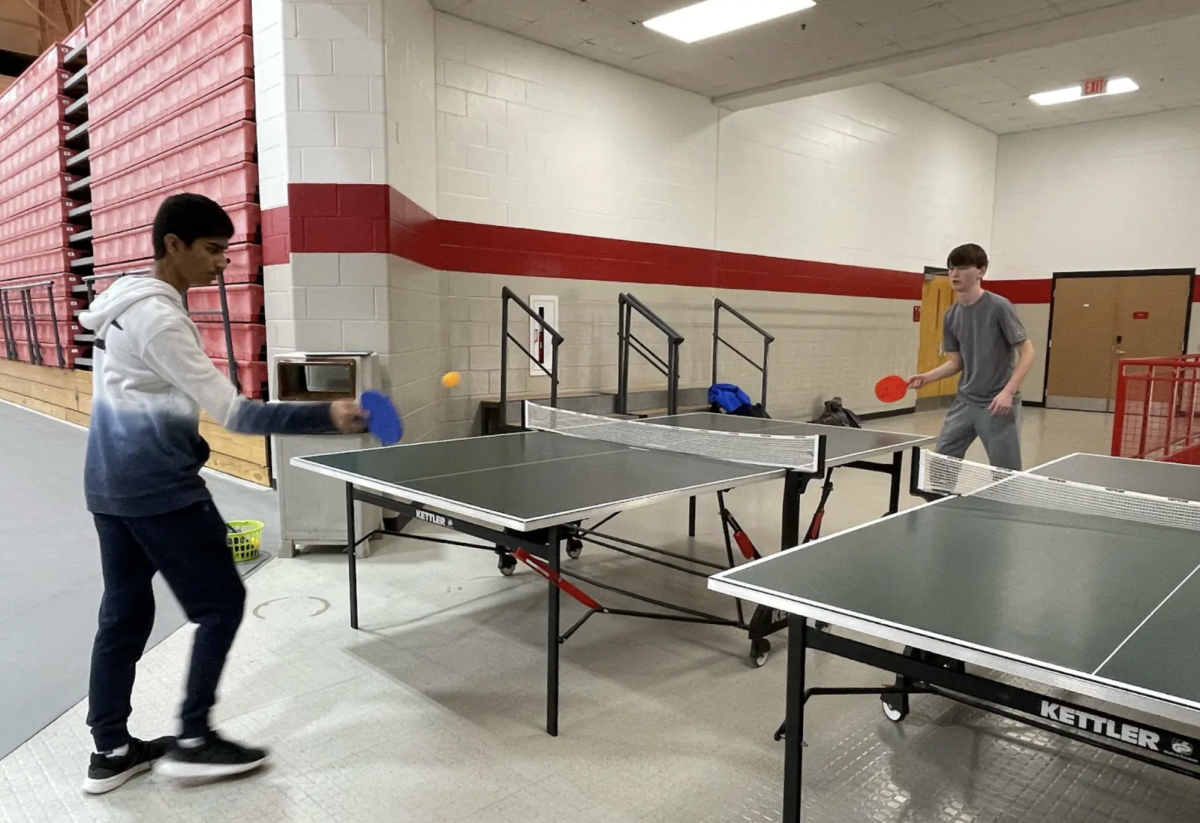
(1077, 275)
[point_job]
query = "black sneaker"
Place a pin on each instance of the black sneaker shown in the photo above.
(106, 772)
(215, 757)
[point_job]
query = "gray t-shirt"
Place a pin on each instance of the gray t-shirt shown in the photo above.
(985, 334)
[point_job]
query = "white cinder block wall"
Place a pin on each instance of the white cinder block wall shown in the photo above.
(417, 355)
(1118, 194)
(532, 137)
(323, 118)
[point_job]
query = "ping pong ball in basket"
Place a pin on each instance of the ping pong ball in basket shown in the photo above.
(450, 379)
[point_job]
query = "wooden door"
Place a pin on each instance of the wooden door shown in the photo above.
(1099, 320)
(936, 298)
(1152, 316)
(1082, 337)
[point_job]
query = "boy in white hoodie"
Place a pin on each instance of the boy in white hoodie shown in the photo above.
(152, 510)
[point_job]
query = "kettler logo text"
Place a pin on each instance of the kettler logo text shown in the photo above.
(435, 519)
(1106, 726)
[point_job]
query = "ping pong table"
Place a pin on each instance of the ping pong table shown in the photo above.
(527, 492)
(1079, 577)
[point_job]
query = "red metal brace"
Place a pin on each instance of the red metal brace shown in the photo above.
(557, 579)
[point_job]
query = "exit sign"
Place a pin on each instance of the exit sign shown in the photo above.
(1097, 85)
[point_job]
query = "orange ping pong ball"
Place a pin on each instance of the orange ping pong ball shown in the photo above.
(450, 379)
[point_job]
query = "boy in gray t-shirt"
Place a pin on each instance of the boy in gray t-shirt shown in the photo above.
(988, 344)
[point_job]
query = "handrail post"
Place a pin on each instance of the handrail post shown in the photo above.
(35, 348)
(767, 338)
(233, 373)
(673, 380)
(62, 362)
(504, 361)
(10, 328)
(623, 325)
(556, 340)
(716, 338)
(766, 359)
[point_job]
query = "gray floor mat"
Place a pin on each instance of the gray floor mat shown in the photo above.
(50, 583)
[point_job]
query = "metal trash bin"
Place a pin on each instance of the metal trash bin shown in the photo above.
(312, 508)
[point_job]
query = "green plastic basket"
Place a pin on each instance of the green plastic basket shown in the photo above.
(244, 538)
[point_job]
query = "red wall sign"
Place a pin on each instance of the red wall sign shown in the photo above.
(1097, 85)
(1141, 315)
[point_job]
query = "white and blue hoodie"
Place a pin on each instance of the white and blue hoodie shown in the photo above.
(150, 380)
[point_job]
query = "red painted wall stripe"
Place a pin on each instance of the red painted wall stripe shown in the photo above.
(345, 218)
(1022, 291)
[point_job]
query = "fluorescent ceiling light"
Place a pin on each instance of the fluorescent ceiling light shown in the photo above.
(1117, 85)
(712, 17)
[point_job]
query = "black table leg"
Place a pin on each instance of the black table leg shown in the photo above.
(897, 473)
(554, 557)
(793, 745)
(691, 517)
(352, 555)
(793, 490)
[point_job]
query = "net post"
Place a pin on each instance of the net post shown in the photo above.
(914, 471)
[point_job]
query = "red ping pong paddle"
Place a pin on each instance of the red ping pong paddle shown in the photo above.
(891, 388)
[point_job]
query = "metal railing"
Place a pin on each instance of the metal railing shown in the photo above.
(626, 341)
(507, 296)
(25, 295)
(91, 279)
(718, 341)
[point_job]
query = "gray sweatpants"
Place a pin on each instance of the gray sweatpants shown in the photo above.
(1001, 435)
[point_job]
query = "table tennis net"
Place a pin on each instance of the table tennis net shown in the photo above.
(949, 475)
(776, 451)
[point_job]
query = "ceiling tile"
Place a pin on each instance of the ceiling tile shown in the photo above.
(994, 93)
(640, 10)
(920, 23)
(490, 14)
(981, 11)
(586, 21)
(868, 11)
(932, 41)
(674, 58)
(635, 41)
(1016, 21)
(528, 11)
(600, 54)
(1078, 6)
(542, 33)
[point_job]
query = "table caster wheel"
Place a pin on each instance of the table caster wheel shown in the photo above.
(760, 650)
(574, 548)
(895, 707)
(507, 565)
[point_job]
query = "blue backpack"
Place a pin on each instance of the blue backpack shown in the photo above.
(729, 399)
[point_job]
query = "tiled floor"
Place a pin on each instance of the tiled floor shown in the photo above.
(433, 712)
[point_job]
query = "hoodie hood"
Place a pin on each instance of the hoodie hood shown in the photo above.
(126, 292)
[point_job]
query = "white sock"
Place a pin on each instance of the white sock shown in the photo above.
(191, 742)
(121, 752)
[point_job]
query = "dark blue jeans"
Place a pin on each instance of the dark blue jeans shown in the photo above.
(188, 548)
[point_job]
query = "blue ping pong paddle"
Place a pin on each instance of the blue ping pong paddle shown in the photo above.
(383, 420)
